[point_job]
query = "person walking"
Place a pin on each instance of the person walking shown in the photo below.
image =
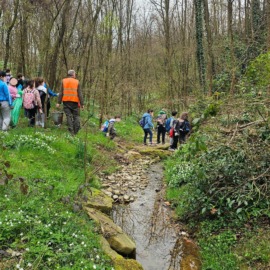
(5, 103)
(71, 96)
(31, 102)
(184, 127)
(161, 126)
(148, 126)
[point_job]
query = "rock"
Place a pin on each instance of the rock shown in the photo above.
(110, 189)
(131, 199)
(115, 197)
(126, 198)
(132, 155)
(134, 189)
(108, 250)
(108, 193)
(116, 192)
(117, 239)
(99, 200)
(126, 264)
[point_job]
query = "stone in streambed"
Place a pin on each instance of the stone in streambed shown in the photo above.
(115, 236)
(123, 264)
(98, 200)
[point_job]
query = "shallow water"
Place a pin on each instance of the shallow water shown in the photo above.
(147, 221)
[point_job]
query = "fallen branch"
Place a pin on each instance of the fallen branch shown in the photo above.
(250, 124)
(234, 133)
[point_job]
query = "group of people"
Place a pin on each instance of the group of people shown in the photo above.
(16, 92)
(176, 128)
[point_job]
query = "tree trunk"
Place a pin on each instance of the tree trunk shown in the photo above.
(10, 27)
(230, 35)
(210, 62)
(199, 39)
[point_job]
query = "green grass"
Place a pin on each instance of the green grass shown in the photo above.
(37, 218)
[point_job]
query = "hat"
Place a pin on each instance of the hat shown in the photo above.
(161, 112)
(13, 81)
(3, 74)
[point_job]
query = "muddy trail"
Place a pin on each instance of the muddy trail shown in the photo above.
(141, 210)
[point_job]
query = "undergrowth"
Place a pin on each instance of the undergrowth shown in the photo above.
(42, 225)
(221, 177)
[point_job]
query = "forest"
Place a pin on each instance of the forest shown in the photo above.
(210, 58)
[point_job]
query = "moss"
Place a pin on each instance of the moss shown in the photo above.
(98, 200)
(123, 264)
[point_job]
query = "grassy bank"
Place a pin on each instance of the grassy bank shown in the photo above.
(218, 182)
(42, 174)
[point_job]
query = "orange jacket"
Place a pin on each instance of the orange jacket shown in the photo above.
(70, 90)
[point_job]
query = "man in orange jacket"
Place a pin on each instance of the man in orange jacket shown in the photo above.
(72, 97)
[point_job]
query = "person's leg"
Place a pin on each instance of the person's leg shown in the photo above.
(159, 131)
(163, 134)
(31, 115)
(145, 135)
(150, 135)
(182, 137)
(175, 142)
(6, 115)
(69, 115)
(48, 107)
(76, 118)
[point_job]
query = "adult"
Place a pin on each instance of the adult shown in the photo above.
(148, 126)
(71, 96)
(184, 127)
(161, 126)
(5, 103)
(31, 102)
(21, 81)
(8, 76)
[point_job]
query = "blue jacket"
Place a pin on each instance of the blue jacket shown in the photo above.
(4, 93)
(148, 121)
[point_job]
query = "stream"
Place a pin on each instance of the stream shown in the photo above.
(147, 221)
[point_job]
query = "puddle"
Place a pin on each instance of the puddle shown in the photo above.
(147, 221)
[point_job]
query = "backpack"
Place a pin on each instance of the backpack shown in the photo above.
(185, 127)
(168, 124)
(142, 122)
(105, 126)
(161, 119)
(28, 99)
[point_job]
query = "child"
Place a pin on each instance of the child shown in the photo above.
(31, 102)
(39, 82)
(111, 129)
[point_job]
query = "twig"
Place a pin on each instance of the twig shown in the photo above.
(249, 124)
(260, 176)
(234, 133)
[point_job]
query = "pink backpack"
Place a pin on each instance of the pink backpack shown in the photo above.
(28, 99)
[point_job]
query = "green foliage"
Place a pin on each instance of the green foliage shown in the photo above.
(219, 180)
(216, 251)
(130, 130)
(254, 248)
(36, 217)
(258, 71)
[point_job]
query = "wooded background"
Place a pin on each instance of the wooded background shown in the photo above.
(129, 57)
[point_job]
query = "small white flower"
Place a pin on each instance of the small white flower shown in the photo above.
(17, 266)
(97, 257)
(27, 249)
(29, 264)
(94, 266)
